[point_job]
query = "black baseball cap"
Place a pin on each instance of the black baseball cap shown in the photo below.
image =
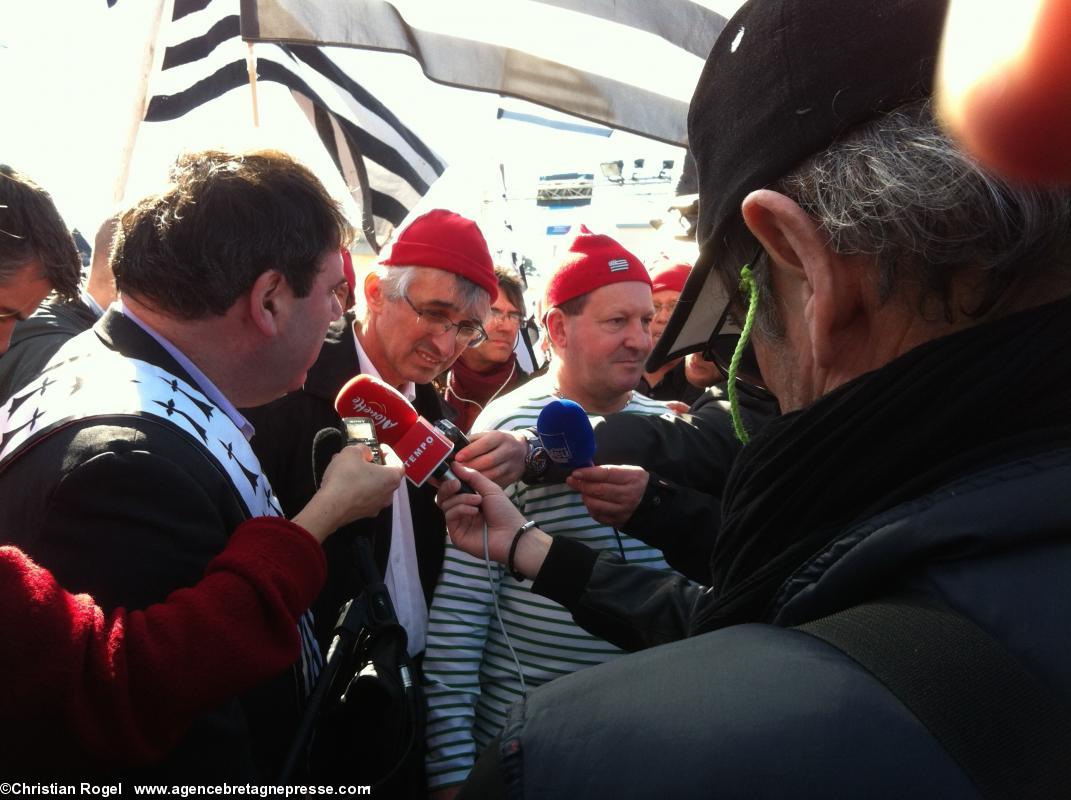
(784, 80)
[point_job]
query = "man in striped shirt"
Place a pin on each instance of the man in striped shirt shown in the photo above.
(599, 317)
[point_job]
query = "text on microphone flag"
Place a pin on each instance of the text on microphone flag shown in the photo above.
(376, 411)
(422, 448)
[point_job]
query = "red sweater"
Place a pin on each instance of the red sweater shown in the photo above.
(125, 686)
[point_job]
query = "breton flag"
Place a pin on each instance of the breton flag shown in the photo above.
(627, 64)
(385, 165)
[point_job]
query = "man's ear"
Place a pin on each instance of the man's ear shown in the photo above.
(807, 276)
(556, 328)
(374, 296)
(269, 301)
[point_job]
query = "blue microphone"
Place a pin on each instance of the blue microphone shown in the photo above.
(565, 431)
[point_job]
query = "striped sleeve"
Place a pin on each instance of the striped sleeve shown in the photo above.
(457, 633)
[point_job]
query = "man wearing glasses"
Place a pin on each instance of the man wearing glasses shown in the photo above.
(424, 304)
(490, 370)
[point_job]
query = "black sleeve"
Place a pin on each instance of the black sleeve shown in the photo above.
(681, 522)
(695, 450)
(130, 527)
(628, 605)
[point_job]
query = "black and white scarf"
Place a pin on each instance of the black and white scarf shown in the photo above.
(107, 384)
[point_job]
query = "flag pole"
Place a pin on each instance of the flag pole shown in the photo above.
(251, 66)
(148, 66)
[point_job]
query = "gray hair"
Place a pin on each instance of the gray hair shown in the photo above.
(899, 190)
(473, 299)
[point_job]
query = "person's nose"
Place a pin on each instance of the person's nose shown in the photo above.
(638, 336)
(445, 343)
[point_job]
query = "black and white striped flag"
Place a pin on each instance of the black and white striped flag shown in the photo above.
(385, 165)
(628, 64)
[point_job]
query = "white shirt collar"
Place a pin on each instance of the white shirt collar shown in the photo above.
(202, 381)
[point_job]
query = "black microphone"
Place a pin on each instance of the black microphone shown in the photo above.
(461, 441)
(325, 445)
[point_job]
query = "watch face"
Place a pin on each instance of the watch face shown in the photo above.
(537, 461)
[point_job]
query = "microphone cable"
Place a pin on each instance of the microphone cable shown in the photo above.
(498, 611)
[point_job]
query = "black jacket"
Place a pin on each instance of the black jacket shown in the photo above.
(129, 510)
(766, 711)
(35, 340)
(285, 430)
(673, 386)
(688, 457)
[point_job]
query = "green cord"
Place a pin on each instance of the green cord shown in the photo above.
(747, 283)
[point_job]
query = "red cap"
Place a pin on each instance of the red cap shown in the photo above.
(444, 240)
(351, 279)
(670, 277)
(347, 269)
(593, 260)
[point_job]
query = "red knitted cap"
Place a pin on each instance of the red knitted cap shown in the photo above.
(444, 240)
(670, 277)
(593, 260)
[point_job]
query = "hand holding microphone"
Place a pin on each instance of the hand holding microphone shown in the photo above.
(611, 494)
(425, 450)
(466, 515)
(350, 485)
(498, 455)
(569, 442)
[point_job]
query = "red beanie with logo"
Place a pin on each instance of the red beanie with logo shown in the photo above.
(670, 277)
(444, 240)
(592, 260)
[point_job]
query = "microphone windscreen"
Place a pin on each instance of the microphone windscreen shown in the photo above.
(325, 445)
(566, 434)
(390, 412)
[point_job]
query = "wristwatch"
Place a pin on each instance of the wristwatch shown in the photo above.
(535, 457)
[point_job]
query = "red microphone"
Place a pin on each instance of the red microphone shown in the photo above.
(422, 447)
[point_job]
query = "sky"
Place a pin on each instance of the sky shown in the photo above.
(70, 72)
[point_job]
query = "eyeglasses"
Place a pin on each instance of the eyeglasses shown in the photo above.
(514, 317)
(437, 323)
(667, 307)
(722, 345)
